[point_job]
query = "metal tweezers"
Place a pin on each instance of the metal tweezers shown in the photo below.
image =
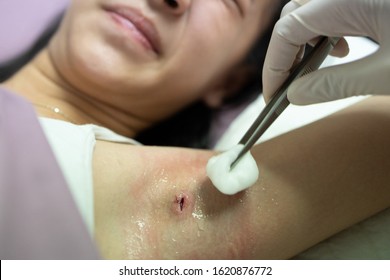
(279, 102)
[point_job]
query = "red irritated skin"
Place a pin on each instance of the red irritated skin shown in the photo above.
(167, 212)
(315, 181)
(183, 203)
(158, 203)
(126, 65)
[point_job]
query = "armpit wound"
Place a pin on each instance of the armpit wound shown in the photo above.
(183, 203)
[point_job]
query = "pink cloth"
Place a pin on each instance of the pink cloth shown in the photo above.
(22, 22)
(38, 217)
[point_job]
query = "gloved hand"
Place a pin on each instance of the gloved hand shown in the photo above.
(334, 18)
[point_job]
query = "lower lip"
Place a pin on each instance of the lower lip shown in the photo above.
(132, 30)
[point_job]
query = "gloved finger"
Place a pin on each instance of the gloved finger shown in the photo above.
(334, 18)
(282, 53)
(362, 77)
(316, 18)
(291, 6)
(281, 57)
(341, 49)
(301, 2)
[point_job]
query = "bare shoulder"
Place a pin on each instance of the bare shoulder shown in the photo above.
(134, 163)
(146, 171)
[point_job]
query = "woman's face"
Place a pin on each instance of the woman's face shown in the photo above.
(137, 54)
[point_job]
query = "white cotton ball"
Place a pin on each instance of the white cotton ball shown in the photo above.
(231, 181)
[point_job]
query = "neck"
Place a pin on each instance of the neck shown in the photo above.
(54, 97)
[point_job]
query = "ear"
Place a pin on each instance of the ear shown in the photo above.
(229, 85)
(214, 97)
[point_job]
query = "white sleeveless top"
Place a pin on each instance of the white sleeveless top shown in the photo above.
(73, 147)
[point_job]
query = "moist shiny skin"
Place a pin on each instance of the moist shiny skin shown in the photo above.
(165, 212)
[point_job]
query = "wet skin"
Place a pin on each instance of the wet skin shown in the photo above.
(157, 203)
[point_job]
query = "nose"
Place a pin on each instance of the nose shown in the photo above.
(174, 7)
(172, 3)
(178, 7)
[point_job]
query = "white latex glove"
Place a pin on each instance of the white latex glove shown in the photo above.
(334, 18)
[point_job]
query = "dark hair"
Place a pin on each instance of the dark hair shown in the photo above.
(191, 126)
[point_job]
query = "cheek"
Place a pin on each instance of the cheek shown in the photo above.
(192, 69)
(204, 51)
(90, 53)
(76, 48)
